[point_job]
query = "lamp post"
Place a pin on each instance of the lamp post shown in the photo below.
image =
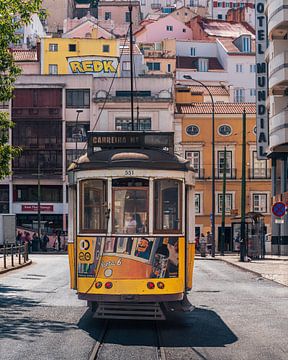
(78, 111)
(213, 162)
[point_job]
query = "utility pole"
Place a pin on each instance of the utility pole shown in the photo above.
(39, 200)
(223, 206)
(131, 66)
(243, 241)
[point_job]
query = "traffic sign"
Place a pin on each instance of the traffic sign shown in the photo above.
(279, 209)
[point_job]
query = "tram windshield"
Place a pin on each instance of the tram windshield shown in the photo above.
(130, 200)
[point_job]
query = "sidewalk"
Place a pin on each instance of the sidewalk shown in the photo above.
(273, 267)
(9, 266)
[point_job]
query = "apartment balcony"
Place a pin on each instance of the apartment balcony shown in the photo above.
(230, 174)
(259, 173)
(200, 174)
(32, 113)
(278, 70)
(277, 12)
(278, 128)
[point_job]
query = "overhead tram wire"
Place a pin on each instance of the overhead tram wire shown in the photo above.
(109, 90)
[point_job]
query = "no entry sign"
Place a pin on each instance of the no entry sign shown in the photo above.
(279, 209)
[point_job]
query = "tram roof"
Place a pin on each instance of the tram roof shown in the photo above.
(146, 150)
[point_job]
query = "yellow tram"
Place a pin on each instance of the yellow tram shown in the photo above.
(131, 225)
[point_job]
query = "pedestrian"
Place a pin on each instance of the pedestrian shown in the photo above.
(197, 238)
(209, 242)
(35, 242)
(203, 243)
(28, 241)
(18, 238)
(45, 241)
(59, 241)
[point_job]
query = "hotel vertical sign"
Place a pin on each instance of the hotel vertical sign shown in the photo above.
(262, 124)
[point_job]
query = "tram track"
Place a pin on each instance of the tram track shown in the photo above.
(95, 353)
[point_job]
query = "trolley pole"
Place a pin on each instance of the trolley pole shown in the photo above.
(131, 66)
(223, 206)
(243, 241)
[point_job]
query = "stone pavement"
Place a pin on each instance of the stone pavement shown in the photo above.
(274, 268)
(9, 266)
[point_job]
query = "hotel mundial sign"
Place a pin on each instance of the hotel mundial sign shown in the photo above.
(261, 81)
(95, 65)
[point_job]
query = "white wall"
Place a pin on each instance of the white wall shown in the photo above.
(203, 48)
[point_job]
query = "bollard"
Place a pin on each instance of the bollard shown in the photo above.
(26, 252)
(19, 254)
(4, 256)
(12, 256)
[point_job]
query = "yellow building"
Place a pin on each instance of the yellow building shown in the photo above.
(196, 144)
(75, 55)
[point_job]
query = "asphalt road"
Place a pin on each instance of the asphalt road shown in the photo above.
(237, 316)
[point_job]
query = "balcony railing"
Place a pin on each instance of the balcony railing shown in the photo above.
(255, 173)
(51, 113)
(200, 173)
(230, 173)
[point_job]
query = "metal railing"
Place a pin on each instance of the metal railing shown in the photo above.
(259, 173)
(13, 255)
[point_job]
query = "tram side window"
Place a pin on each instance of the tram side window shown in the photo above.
(167, 206)
(94, 206)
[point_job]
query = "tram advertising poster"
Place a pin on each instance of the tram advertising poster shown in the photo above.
(129, 257)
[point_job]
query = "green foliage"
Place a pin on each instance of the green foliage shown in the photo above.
(13, 15)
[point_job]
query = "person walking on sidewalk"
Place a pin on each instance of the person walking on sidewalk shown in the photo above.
(203, 243)
(209, 242)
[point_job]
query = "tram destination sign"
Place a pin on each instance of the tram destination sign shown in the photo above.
(261, 81)
(133, 139)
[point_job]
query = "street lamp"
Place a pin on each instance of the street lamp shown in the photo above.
(188, 77)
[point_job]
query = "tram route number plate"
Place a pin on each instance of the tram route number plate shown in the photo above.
(129, 172)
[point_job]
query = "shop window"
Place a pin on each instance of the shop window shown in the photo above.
(126, 124)
(76, 132)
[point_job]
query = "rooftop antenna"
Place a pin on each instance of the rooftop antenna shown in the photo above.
(131, 65)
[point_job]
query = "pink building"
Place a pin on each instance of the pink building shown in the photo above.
(28, 60)
(164, 28)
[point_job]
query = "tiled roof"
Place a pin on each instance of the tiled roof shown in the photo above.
(24, 55)
(190, 62)
(220, 108)
(224, 28)
(215, 90)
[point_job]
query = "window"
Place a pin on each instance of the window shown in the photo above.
(130, 206)
(253, 92)
(252, 68)
(239, 68)
(126, 125)
(169, 28)
(72, 47)
(260, 203)
(4, 104)
(194, 157)
(127, 17)
(126, 66)
(184, 30)
(53, 69)
(246, 44)
(153, 66)
(94, 206)
(259, 167)
(220, 16)
(167, 206)
(78, 98)
(29, 193)
(4, 199)
(168, 68)
(53, 47)
(193, 51)
(192, 130)
(107, 15)
(203, 65)
(143, 2)
(220, 163)
(228, 203)
(76, 133)
(126, 93)
(255, 130)
(225, 130)
(106, 48)
(197, 203)
(239, 95)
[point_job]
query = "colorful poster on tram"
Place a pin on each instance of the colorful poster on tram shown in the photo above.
(129, 257)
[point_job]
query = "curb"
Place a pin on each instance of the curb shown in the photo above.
(29, 262)
(242, 268)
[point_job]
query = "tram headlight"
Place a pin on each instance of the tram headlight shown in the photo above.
(160, 285)
(108, 285)
(150, 285)
(98, 284)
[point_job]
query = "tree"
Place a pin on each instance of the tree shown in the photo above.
(13, 15)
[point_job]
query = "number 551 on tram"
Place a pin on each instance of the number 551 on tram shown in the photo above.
(131, 225)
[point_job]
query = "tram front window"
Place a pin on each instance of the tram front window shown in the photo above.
(167, 206)
(130, 208)
(94, 206)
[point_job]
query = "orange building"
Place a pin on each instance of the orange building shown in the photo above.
(196, 144)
